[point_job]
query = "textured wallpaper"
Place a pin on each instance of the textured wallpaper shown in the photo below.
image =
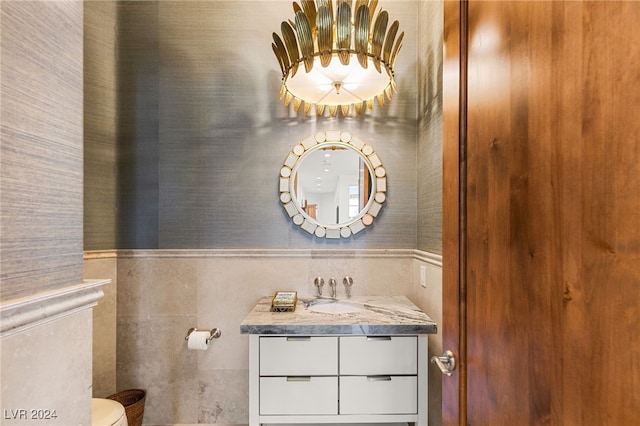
(41, 150)
(429, 179)
(201, 133)
(100, 124)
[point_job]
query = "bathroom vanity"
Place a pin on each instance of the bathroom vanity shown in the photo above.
(361, 360)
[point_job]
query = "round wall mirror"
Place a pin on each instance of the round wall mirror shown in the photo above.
(332, 184)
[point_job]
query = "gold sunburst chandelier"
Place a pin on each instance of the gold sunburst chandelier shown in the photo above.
(347, 56)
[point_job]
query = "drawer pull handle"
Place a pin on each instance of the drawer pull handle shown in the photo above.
(298, 378)
(298, 339)
(378, 338)
(379, 378)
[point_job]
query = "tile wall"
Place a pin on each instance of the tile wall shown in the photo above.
(46, 372)
(162, 293)
(104, 265)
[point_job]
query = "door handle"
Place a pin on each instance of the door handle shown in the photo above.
(446, 363)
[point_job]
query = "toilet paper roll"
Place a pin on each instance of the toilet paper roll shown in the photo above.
(198, 340)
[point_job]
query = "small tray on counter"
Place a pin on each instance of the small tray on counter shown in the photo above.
(284, 301)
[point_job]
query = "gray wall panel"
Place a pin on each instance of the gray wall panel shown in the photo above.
(41, 148)
(100, 125)
(429, 178)
(138, 105)
(202, 133)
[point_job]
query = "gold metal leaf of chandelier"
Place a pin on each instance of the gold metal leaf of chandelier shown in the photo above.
(303, 29)
(388, 43)
(324, 32)
(396, 49)
(309, 8)
(281, 52)
(343, 33)
(292, 46)
(361, 35)
(377, 38)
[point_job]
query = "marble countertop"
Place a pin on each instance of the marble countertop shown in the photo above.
(382, 315)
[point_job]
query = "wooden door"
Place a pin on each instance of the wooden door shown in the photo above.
(547, 269)
(453, 128)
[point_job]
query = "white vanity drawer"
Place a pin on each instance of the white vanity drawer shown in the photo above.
(379, 395)
(298, 395)
(370, 355)
(298, 356)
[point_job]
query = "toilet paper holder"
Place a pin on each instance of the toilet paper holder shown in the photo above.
(214, 333)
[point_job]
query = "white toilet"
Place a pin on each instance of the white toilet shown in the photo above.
(107, 412)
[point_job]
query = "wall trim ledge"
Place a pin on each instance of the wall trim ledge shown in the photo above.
(21, 314)
(252, 253)
(100, 254)
(420, 255)
(427, 257)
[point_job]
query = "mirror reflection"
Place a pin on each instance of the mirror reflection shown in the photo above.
(332, 184)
